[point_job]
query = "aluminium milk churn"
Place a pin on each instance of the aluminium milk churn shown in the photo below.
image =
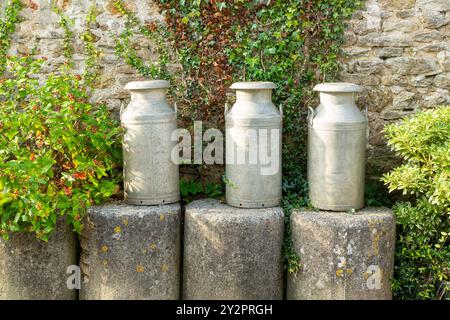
(253, 147)
(150, 177)
(336, 149)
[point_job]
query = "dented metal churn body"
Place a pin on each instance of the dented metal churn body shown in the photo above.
(336, 149)
(253, 147)
(150, 176)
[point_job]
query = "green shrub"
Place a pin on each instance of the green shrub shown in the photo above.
(58, 153)
(423, 251)
(191, 190)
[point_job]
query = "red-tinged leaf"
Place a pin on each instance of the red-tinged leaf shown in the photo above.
(80, 175)
(67, 191)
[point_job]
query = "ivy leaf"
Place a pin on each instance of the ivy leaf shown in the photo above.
(221, 5)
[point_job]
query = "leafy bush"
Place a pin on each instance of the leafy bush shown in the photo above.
(423, 251)
(58, 153)
(191, 190)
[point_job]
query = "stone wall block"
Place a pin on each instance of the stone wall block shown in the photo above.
(401, 25)
(31, 269)
(428, 36)
(367, 66)
(232, 253)
(433, 5)
(344, 256)
(391, 39)
(413, 65)
(433, 19)
(131, 252)
(444, 59)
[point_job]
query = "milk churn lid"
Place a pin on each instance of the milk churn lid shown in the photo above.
(337, 87)
(150, 84)
(253, 85)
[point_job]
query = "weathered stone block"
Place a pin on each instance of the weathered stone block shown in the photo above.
(344, 256)
(444, 59)
(433, 5)
(389, 52)
(355, 51)
(392, 39)
(131, 252)
(413, 65)
(392, 79)
(442, 81)
(360, 78)
(428, 36)
(400, 25)
(232, 253)
(433, 19)
(367, 66)
(402, 98)
(421, 81)
(350, 38)
(398, 4)
(31, 269)
(407, 13)
(376, 98)
(435, 47)
(435, 98)
(363, 27)
(376, 136)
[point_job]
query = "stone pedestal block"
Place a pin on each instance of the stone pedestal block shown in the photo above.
(344, 256)
(232, 253)
(31, 269)
(131, 252)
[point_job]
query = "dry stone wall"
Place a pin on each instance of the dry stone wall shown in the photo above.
(399, 50)
(40, 29)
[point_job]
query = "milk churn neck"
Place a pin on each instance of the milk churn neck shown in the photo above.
(149, 95)
(254, 96)
(337, 94)
(149, 91)
(341, 87)
(254, 92)
(147, 85)
(253, 85)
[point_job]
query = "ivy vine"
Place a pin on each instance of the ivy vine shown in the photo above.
(66, 24)
(7, 27)
(125, 46)
(93, 68)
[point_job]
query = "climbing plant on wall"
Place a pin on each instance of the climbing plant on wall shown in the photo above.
(7, 27)
(125, 47)
(92, 70)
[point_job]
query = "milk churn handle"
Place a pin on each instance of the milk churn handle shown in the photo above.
(122, 109)
(311, 115)
(281, 110)
(175, 107)
(366, 109)
(226, 109)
